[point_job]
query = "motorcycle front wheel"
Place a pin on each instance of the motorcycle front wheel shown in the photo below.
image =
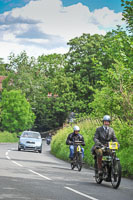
(79, 162)
(116, 175)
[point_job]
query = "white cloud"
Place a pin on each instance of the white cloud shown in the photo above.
(46, 26)
(107, 18)
(35, 51)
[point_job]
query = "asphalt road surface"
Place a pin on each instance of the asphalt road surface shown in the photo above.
(35, 176)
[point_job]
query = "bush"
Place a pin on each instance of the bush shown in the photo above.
(8, 137)
(126, 160)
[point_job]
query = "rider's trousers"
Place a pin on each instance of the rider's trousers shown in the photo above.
(71, 147)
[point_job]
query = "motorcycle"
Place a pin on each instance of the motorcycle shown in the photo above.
(48, 141)
(78, 158)
(110, 164)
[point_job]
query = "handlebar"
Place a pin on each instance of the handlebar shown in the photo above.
(106, 147)
(78, 142)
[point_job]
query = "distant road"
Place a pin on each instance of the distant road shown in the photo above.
(35, 176)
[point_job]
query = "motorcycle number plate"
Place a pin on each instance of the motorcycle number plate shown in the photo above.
(78, 148)
(113, 145)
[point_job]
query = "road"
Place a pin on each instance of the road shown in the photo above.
(34, 176)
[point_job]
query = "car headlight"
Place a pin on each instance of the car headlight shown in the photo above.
(38, 144)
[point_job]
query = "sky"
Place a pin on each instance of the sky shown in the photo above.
(45, 26)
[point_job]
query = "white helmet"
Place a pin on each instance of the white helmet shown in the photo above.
(107, 118)
(76, 128)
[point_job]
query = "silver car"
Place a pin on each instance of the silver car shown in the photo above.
(30, 140)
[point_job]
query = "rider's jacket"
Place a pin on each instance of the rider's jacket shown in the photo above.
(74, 137)
(103, 136)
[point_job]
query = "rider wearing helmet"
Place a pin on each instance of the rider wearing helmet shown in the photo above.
(103, 135)
(75, 136)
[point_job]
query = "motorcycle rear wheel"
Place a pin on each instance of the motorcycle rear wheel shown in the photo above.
(72, 166)
(116, 177)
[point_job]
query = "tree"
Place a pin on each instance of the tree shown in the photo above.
(3, 68)
(16, 113)
(115, 95)
(82, 68)
(54, 110)
(128, 13)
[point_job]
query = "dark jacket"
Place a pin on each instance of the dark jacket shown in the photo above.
(74, 137)
(104, 136)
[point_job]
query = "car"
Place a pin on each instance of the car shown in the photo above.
(30, 140)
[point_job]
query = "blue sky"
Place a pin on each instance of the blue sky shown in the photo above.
(45, 26)
(93, 4)
(6, 5)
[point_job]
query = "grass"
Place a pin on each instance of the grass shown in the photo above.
(8, 137)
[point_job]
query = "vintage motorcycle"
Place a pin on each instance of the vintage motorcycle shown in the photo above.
(78, 158)
(110, 165)
(48, 140)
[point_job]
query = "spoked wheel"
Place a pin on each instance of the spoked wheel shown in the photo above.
(116, 175)
(72, 166)
(98, 178)
(73, 163)
(79, 162)
(19, 149)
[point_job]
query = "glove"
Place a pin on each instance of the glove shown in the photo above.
(70, 143)
(98, 144)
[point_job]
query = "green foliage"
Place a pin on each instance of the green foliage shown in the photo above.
(81, 67)
(126, 160)
(115, 95)
(16, 114)
(128, 13)
(124, 133)
(95, 77)
(58, 144)
(8, 137)
(37, 80)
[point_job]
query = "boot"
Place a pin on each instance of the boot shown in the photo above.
(99, 162)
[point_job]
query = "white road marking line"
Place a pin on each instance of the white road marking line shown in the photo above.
(6, 153)
(29, 169)
(80, 193)
(8, 157)
(17, 164)
(40, 175)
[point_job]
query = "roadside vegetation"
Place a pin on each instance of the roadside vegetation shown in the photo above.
(7, 137)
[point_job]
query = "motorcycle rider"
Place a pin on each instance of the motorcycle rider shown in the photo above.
(75, 136)
(103, 135)
(49, 138)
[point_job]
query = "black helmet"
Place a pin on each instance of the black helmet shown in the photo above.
(107, 118)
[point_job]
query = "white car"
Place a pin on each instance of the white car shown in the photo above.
(30, 140)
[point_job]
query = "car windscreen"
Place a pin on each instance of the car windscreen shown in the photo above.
(31, 135)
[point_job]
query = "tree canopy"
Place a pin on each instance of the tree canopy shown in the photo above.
(94, 78)
(16, 113)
